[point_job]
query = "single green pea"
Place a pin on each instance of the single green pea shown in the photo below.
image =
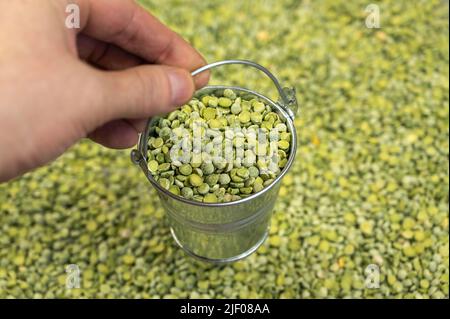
(223, 122)
(258, 106)
(198, 198)
(237, 184)
(213, 101)
(215, 124)
(259, 180)
(256, 117)
(175, 124)
(195, 180)
(179, 183)
(257, 187)
(271, 117)
(198, 171)
(165, 133)
(187, 192)
(210, 198)
(165, 149)
(220, 164)
(163, 167)
(185, 169)
(244, 117)
(237, 179)
(224, 179)
(212, 179)
(239, 142)
(164, 182)
(160, 158)
(285, 136)
(282, 163)
(246, 190)
(283, 144)
(219, 191)
(236, 108)
(267, 125)
(281, 127)
(153, 166)
(267, 182)
(225, 102)
(243, 172)
(157, 142)
(209, 113)
(196, 161)
(205, 99)
(203, 189)
(174, 190)
(183, 116)
(229, 94)
(164, 123)
(249, 182)
(227, 197)
(233, 191)
(207, 168)
(253, 171)
(236, 197)
(282, 154)
(167, 174)
(173, 115)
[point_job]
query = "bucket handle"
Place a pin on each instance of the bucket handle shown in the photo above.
(287, 99)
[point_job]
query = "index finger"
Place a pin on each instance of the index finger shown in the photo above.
(129, 26)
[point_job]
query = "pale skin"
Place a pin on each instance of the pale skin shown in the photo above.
(102, 81)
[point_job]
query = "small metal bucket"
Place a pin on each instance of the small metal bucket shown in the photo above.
(224, 232)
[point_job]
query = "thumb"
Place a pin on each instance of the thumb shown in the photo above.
(142, 92)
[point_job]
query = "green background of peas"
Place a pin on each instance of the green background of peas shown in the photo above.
(369, 186)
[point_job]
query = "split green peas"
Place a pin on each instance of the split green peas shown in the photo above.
(369, 113)
(219, 148)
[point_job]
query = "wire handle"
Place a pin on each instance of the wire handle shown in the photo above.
(287, 100)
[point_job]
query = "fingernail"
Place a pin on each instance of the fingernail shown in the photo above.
(181, 87)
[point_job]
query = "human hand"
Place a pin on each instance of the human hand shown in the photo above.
(58, 85)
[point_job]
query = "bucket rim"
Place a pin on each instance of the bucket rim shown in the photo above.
(143, 145)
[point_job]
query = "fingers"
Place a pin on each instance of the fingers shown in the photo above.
(138, 124)
(137, 93)
(142, 92)
(109, 57)
(115, 134)
(104, 55)
(119, 35)
(130, 27)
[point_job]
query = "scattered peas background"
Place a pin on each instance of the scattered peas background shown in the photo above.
(370, 184)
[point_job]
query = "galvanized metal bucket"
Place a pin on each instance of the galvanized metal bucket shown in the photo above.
(224, 232)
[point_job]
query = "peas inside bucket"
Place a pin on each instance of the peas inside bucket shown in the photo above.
(217, 163)
(220, 147)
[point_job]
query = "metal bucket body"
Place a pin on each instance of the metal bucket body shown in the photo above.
(220, 232)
